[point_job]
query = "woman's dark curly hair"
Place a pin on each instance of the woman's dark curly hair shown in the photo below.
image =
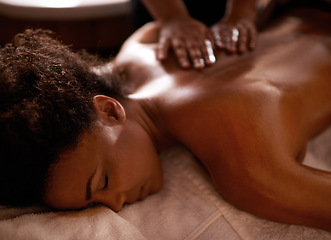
(46, 103)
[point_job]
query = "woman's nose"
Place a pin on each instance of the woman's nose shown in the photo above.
(114, 202)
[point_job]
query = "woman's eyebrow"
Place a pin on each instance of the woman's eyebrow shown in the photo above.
(88, 194)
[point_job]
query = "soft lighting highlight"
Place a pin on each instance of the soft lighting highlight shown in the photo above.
(45, 3)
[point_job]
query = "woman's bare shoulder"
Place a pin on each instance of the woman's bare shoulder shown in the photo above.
(146, 34)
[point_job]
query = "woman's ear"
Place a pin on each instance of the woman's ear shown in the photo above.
(109, 108)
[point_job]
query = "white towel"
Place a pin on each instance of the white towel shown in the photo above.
(187, 207)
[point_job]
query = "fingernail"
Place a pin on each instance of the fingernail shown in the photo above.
(220, 44)
(210, 52)
(235, 34)
(212, 58)
(184, 63)
(199, 63)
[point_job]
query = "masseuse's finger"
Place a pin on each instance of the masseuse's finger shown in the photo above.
(234, 36)
(252, 32)
(163, 49)
(208, 52)
(195, 54)
(179, 48)
(226, 40)
(242, 39)
(217, 39)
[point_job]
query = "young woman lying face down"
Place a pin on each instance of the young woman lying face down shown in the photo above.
(71, 139)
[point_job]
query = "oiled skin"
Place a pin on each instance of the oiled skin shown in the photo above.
(248, 118)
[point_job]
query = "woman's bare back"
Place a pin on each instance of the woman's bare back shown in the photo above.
(248, 118)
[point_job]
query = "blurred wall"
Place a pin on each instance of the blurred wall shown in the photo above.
(103, 34)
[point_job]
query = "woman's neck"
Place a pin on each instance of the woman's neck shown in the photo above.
(145, 113)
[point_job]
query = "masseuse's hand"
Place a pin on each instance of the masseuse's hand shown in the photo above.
(235, 36)
(190, 40)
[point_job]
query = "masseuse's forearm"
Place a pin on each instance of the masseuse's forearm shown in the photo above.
(166, 9)
(237, 9)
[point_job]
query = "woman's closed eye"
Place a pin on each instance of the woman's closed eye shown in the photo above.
(106, 183)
